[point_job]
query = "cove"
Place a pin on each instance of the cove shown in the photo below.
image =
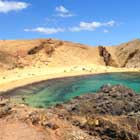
(54, 91)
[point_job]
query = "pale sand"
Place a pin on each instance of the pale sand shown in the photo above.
(20, 77)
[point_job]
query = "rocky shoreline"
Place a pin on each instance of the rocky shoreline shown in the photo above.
(111, 114)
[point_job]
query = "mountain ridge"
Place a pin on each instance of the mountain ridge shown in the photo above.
(53, 52)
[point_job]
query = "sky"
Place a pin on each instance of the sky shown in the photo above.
(92, 22)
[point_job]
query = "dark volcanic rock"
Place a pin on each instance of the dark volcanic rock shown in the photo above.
(108, 60)
(36, 49)
(113, 100)
(117, 90)
(5, 109)
(52, 126)
(108, 130)
(111, 114)
(104, 53)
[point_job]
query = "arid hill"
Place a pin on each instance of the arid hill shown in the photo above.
(52, 52)
(46, 52)
(128, 54)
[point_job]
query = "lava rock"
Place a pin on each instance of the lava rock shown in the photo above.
(113, 100)
(52, 126)
(5, 109)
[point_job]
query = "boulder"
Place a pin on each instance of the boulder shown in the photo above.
(5, 109)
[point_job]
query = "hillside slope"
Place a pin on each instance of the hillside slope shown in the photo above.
(46, 51)
(128, 54)
(56, 53)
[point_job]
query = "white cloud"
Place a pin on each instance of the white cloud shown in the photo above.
(110, 23)
(83, 26)
(45, 30)
(7, 6)
(65, 15)
(62, 9)
(91, 26)
(106, 31)
(63, 12)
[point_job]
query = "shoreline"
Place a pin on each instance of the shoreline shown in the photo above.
(12, 82)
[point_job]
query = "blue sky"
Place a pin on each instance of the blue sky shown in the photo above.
(93, 22)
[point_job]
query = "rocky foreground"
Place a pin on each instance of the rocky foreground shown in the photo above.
(111, 114)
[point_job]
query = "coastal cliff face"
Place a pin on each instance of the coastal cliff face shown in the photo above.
(111, 114)
(52, 52)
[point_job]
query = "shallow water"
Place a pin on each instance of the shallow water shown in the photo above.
(60, 90)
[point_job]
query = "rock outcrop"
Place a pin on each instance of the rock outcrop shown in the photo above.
(112, 100)
(105, 54)
(107, 58)
(36, 49)
(112, 114)
(5, 109)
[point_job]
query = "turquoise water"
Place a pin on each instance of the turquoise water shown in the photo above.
(61, 90)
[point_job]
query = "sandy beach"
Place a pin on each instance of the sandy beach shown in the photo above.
(21, 77)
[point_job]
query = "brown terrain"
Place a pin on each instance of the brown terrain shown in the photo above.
(52, 52)
(25, 61)
(112, 114)
(19, 54)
